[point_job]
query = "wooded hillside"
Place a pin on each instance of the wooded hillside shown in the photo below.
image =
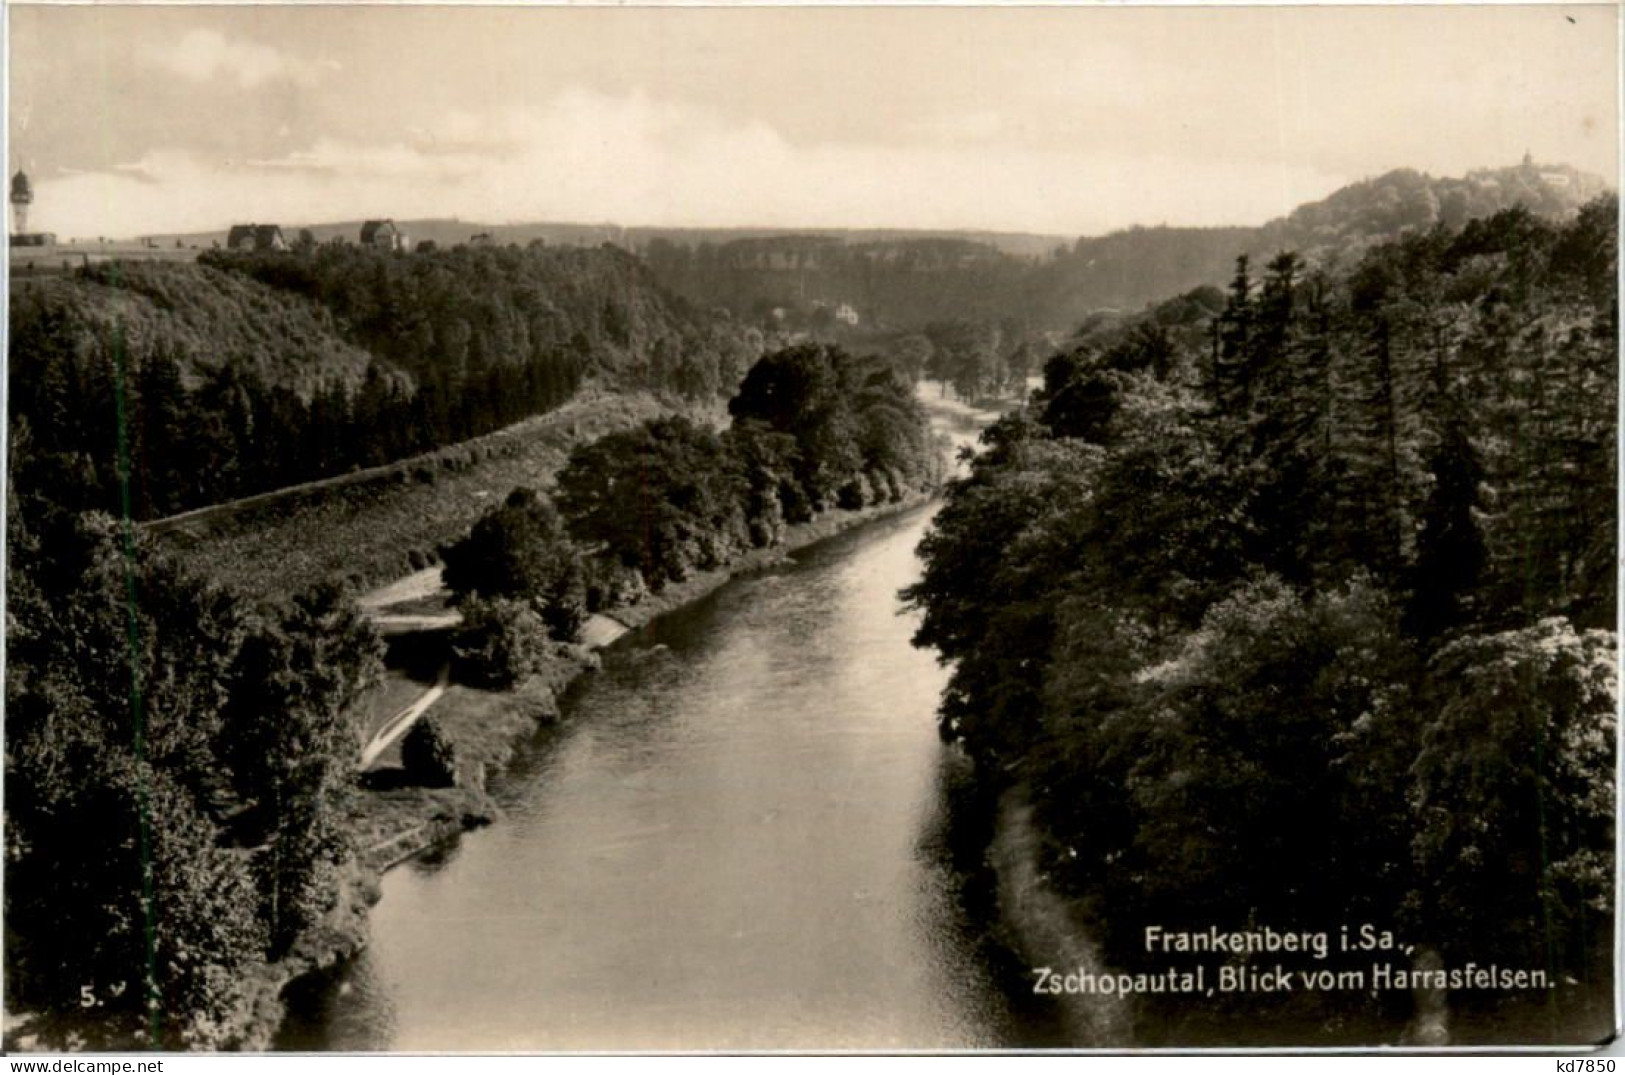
(251, 372)
(1303, 613)
(904, 282)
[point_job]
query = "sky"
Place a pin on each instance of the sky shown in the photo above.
(1059, 120)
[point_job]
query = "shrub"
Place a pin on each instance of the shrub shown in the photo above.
(500, 642)
(520, 550)
(855, 494)
(610, 583)
(428, 754)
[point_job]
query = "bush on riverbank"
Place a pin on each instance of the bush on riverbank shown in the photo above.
(428, 756)
(521, 551)
(814, 428)
(499, 643)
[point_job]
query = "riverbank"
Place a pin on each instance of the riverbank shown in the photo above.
(393, 822)
(1045, 931)
(485, 726)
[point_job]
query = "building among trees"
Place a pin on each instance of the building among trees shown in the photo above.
(250, 237)
(383, 235)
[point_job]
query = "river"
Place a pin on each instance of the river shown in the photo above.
(743, 839)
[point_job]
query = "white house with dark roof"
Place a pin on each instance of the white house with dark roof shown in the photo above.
(383, 235)
(255, 237)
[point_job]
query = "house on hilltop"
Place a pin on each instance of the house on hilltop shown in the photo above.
(383, 235)
(1556, 176)
(250, 237)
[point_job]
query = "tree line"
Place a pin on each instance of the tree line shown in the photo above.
(449, 315)
(814, 429)
(234, 434)
(1299, 610)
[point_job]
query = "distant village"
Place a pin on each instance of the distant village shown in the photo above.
(383, 235)
(375, 234)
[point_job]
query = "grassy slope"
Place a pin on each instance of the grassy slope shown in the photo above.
(372, 531)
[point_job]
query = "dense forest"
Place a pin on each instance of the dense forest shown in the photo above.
(251, 372)
(902, 283)
(178, 765)
(1300, 610)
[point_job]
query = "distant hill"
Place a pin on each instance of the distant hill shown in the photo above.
(1127, 269)
(900, 278)
(1014, 243)
(1405, 199)
(906, 280)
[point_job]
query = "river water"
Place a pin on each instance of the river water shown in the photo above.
(744, 838)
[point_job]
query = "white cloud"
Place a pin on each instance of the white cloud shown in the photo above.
(588, 156)
(203, 55)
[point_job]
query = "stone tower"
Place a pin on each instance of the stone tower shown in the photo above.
(22, 196)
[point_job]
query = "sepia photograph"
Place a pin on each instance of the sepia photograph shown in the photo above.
(669, 528)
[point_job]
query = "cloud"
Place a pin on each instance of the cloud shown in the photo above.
(589, 156)
(136, 170)
(365, 165)
(975, 125)
(204, 55)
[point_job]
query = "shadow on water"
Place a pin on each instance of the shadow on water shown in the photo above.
(955, 842)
